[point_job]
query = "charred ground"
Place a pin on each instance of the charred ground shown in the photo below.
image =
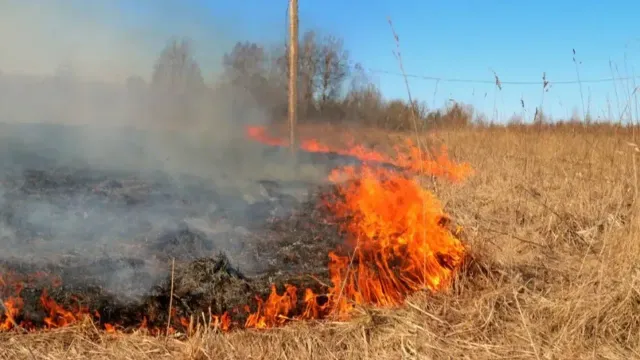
(104, 240)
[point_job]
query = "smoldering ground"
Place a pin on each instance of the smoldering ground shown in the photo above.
(134, 194)
(107, 210)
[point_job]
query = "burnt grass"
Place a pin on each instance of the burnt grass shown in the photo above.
(106, 238)
(131, 279)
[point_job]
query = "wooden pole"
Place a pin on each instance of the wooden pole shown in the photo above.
(293, 72)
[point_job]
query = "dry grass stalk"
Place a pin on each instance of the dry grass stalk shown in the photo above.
(173, 268)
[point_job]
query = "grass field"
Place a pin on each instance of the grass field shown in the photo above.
(552, 218)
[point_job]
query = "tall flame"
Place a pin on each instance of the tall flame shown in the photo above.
(396, 235)
(409, 157)
(397, 240)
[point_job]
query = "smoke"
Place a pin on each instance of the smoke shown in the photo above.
(105, 40)
(96, 165)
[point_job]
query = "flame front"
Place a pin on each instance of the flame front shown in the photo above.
(397, 242)
(396, 237)
(409, 157)
(274, 311)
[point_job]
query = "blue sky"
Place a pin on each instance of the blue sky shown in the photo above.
(445, 39)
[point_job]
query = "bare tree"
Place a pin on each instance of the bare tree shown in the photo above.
(308, 65)
(364, 101)
(246, 65)
(323, 70)
(176, 70)
(334, 69)
(177, 84)
(245, 79)
(246, 69)
(308, 72)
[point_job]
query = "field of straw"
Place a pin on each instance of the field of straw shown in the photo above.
(552, 220)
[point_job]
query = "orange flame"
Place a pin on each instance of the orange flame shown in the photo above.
(397, 242)
(412, 159)
(222, 322)
(259, 134)
(275, 310)
(396, 234)
(58, 315)
(110, 329)
(12, 307)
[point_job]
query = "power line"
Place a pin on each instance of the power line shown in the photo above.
(493, 82)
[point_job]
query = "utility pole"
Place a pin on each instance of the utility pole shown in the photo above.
(293, 72)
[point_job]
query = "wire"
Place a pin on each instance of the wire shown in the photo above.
(493, 82)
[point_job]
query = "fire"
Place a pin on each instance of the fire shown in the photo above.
(222, 322)
(12, 307)
(409, 157)
(397, 240)
(58, 315)
(396, 243)
(396, 235)
(274, 311)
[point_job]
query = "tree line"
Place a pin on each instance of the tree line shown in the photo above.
(330, 89)
(253, 82)
(256, 77)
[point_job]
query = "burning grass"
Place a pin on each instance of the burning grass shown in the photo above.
(550, 270)
(48, 296)
(397, 242)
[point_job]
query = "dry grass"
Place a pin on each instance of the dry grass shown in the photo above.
(552, 220)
